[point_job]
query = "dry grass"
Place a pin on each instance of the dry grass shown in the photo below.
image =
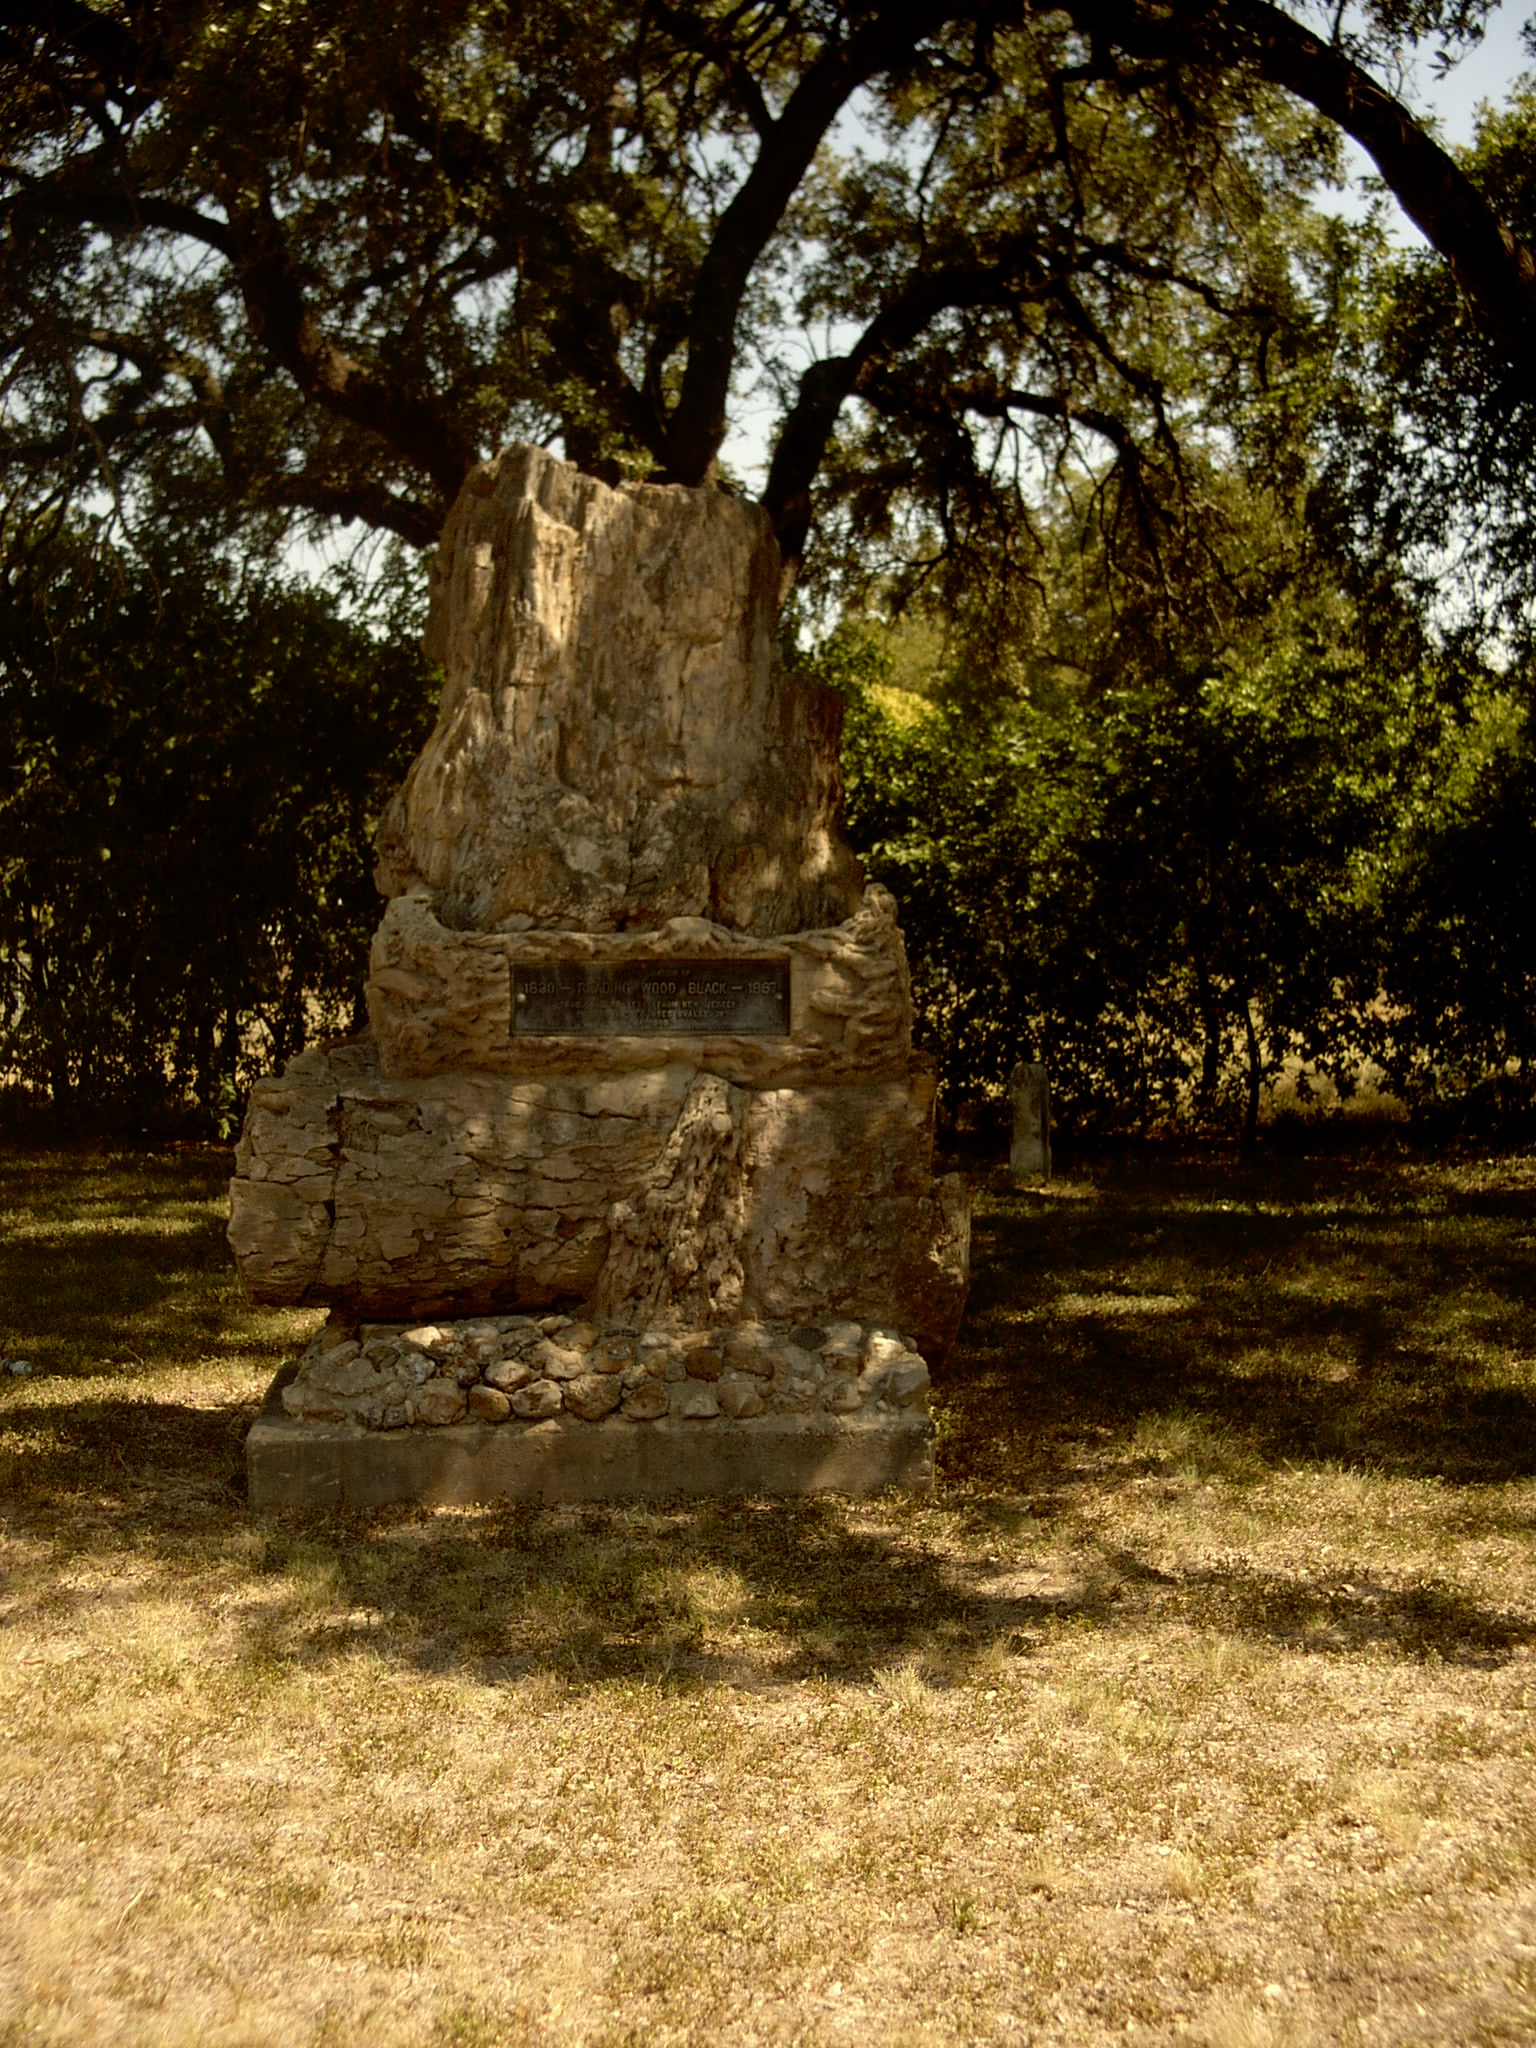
(1196, 1705)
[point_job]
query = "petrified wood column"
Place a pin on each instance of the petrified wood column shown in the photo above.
(623, 826)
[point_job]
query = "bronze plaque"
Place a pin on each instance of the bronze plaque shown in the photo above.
(645, 998)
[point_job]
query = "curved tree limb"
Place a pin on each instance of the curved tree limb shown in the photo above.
(1495, 268)
(883, 36)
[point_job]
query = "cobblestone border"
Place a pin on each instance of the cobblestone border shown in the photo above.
(514, 1369)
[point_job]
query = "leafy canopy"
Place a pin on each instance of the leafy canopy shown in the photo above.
(313, 260)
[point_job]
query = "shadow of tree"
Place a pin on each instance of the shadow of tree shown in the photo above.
(1274, 1342)
(1331, 1317)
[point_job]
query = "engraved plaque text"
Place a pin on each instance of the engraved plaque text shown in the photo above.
(588, 999)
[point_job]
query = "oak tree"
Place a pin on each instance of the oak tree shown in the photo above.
(316, 259)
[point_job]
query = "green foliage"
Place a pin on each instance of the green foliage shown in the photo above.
(1162, 893)
(1457, 907)
(1433, 437)
(313, 261)
(935, 802)
(190, 770)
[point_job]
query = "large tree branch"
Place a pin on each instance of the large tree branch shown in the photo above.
(713, 41)
(537, 241)
(114, 58)
(86, 205)
(991, 403)
(1495, 269)
(748, 224)
(283, 321)
(826, 384)
(348, 498)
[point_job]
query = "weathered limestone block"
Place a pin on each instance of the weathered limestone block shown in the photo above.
(661, 1194)
(674, 1248)
(617, 743)
(456, 1191)
(440, 999)
(845, 1217)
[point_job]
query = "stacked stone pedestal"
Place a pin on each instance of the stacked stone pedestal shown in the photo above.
(621, 779)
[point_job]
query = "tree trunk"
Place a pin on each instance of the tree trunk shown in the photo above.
(1210, 1027)
(1255, 1077)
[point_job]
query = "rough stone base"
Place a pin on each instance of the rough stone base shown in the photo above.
(308, 1465)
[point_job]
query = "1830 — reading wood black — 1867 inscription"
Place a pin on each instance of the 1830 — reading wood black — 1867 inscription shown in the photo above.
(588, 999)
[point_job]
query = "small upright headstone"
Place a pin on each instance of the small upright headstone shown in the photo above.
(1029, 1092)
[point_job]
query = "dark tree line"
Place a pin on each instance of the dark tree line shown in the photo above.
(190, 774)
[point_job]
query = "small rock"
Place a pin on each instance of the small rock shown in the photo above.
(553, 1325)
(354, 1375)
(558, 1363)
(481, 1351)
(508, 1374)
(419, 1365)
(579, 1336)
(593, 1395)
(334, 1344)
(808, 1337)
(695, 1401)
(882, 1347)
(436, 1402)
(476, 1331)
(843, 1395)
(381, 1351)
(368, 1333)
(488, 1404)
(739, 1398)
(799, 1364)
(701, 1356)
(513, 1326)
(749, 1348)
(633, 1376)
(427, 1337)
(906, 1384)
(844, 1340)
(662, 1360)
(537, 1401)
(646, 1402)
(613, 1354)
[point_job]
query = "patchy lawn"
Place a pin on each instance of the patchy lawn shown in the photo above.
(1196, 1705)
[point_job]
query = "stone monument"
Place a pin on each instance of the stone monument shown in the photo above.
(628, 1187)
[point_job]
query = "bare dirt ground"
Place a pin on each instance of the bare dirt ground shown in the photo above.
(1196, 1705)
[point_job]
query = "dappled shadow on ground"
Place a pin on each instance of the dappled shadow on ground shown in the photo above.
(109, 1258)
(657, 1594)
(1162, 1331)
(1302, 1312)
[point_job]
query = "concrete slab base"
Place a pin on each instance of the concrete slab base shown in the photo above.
(314, 1465)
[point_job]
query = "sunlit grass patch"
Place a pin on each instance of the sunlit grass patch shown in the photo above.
(1193, 1447)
